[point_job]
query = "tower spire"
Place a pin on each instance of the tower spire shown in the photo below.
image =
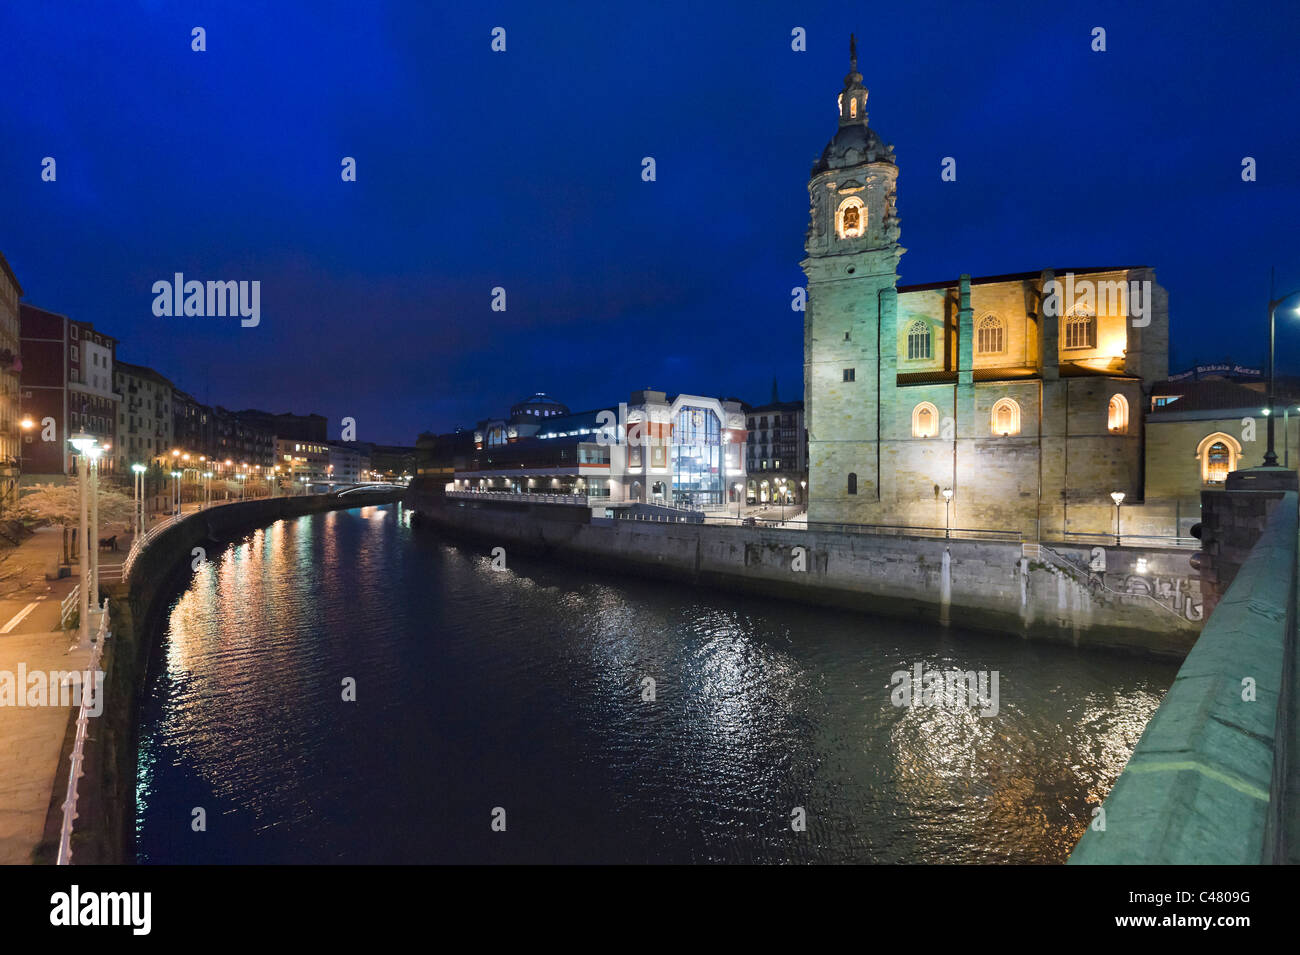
(853, 53)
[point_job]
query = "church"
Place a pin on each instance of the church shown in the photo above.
(1010, 402)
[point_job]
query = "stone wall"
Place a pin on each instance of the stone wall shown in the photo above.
(995, 586)
(1205, 783)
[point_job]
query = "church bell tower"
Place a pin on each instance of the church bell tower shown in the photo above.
(850, 336)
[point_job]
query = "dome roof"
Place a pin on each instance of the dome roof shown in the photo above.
(538, 405)
(853, 145)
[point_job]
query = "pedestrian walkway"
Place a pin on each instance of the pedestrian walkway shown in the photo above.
(32, 641)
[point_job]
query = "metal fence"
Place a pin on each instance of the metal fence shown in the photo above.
(79, 743)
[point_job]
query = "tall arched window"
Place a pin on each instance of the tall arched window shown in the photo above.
(851, 218)
(1080, 329)
(918, 341)
(989, 338)
(1117, 414)
(1220, 455)
(925, 420)
(1006, 417)
(853, 483)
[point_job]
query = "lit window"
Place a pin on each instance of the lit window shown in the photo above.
(918, 341)
(925, 420)
(851, 218)
(1117, 414)
(1006, 417)
(989, 336)
(1220, 454)
(1080, 330)
(853, 107)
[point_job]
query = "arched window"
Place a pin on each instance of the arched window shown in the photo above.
(1080, 330)
(1006, 417)
(851, 218)
(853, 107)
(990, 339)
(1117, 414)
(853, 483)
(918, 341)
(925, 420)
(1220, 455)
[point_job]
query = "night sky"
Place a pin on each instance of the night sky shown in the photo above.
(523, 170)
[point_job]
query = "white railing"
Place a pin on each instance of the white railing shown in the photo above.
(142, 541)
(582, 499)
(88, 690)
(68, 605)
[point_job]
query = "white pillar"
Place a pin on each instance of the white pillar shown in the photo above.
(83, 557)
(94, 533)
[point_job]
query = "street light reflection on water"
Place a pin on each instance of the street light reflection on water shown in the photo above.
(526, 687)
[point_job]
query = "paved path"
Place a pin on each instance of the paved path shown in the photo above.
(31, 738)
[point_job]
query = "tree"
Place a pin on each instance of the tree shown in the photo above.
(61, 504)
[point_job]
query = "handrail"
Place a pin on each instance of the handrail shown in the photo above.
(75, 771)
(1090, 579)
(68, 604)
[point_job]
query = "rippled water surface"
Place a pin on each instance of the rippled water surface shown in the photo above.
(522, 689)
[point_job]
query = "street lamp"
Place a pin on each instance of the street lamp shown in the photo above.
(138, 487)
(738, 487)
(176, 493)
(947, 504)
(1270, 456)
(1118, 498)
(83, 443)
(780, 490)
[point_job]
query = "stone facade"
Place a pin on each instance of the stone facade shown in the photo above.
(1022, 394)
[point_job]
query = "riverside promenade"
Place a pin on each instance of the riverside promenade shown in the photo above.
(32, 738)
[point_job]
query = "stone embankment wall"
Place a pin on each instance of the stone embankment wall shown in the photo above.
(1208, 781)
(1144, 600)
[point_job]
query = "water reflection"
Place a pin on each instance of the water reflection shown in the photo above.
(526, 688)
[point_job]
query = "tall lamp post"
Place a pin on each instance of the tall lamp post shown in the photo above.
(176, 493)
(947, 502)
(1118, 498)
(1270, 456)
(738, 488)
(138, 470)
(82, 443)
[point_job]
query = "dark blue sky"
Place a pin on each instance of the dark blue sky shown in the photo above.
(522, 169)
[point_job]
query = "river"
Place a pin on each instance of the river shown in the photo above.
(520, 698)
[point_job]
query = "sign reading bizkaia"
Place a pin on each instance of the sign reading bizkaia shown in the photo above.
(208, 299)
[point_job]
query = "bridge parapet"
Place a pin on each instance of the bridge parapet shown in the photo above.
(1207, 781)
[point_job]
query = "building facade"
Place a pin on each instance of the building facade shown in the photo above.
(685, 449)
(1012, 402)
(92, 402)
(299, 460)
(11, 433)
(348, 463)
(144, 417)
(67, 387)
(777, 454)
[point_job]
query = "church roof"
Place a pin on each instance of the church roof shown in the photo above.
(945, 377)
(1016, 277)
(852, 146)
